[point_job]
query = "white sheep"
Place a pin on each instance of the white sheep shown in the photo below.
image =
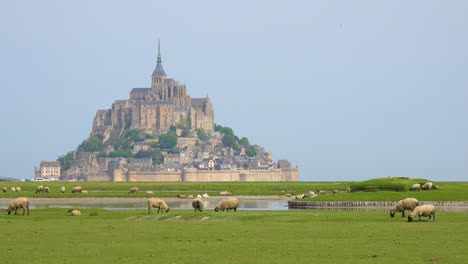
(426, 210)
(150, 192)
(46, 189)
(74, 212)
(18, 203)
(300, 196)
(134, 190)
(197, 204)
(76, 189)
(18, 189)
(84, 191)
(205, 196)
(225, 193)
(13, 189)
(402, 205)
(312, 194)
(157, 203)
(199, 196)
(427, 186)
(227, 204)
(39, 189)
(62, 189)
(415, 187)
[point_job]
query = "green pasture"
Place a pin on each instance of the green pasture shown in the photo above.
(182, 236)
(448, 191)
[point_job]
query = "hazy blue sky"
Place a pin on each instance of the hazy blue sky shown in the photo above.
(347, 90)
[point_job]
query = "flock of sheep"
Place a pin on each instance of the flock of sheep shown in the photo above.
(411, 204)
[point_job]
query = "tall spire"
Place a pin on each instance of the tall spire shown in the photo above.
(159, 52)
(159, 71)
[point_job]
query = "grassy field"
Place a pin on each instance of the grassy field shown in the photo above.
(182, 236)
(448, 191)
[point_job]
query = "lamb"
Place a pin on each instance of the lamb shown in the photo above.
(46, 189)
(133, 190)
(157, 203)
(427, 210)
(18, 203)
(227, 204)
(4, 189)
(402, 205)
(39, 189)
(13, 189)
(62, 189)
(18, 189)
(197, 204)
(427, 186)
(74, 212)
(415, 187)
(76, 189)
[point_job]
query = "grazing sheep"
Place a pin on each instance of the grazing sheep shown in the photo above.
(39, 189)
(197, 204)
(199, 196)
(183, 196)
(84, 191)
(227, 204)
(348, 189)
(334, 191)
(150, 192)
(62, 189)
(46, 189)
(76, 189)
(18, 203)
(190, 196)
(134, 190)
(426, 210)
(4, 189)
(225, 193)
(300, 196)
(18, 189)
(402, 205)
(427, 186)
(74, 212)
(13, 189)
(321, 192)
(312, 194)
(415, 187)
(157, 203)
(205, 196)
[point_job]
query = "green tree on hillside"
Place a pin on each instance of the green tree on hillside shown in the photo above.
(92, 144)
(66, 161)
(167, 141)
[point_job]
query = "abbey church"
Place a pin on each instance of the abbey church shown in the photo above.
(155, 109)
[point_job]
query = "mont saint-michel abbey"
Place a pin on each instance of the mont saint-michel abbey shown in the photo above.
(156, 109)
(162, 134)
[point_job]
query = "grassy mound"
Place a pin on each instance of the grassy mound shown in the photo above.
(398, 184)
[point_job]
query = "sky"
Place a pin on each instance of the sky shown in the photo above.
(346, 90)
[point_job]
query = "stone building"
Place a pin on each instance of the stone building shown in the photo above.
(155, 109)
(50, 170)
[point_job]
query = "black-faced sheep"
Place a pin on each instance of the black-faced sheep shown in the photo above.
(46, 189)
(134, 190)
(197, 204)
(426, 210)
(427, 186)
(74, 212)
(18, 203)
(402, 205)
(157, 203)
(4, 189)
(76, 189)
(227, 204)
(39, 189)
